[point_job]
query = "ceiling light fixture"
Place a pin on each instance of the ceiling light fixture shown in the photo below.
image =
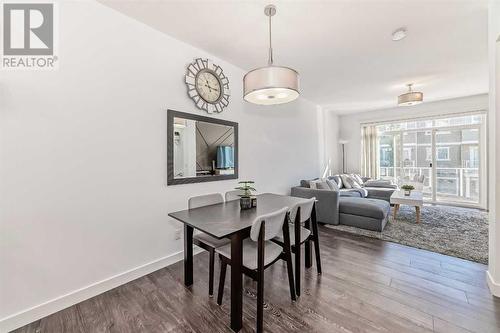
(411, 97)
(271, 84)
(399, 34)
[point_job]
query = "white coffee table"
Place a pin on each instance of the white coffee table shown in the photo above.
(415, 199)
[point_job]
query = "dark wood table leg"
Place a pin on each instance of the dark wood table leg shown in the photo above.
(236, 281)
(296, 225)
(288, 257)
(188, 255)
(315, 231)
(307, 247)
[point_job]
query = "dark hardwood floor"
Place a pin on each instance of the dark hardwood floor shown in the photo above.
(367, 285)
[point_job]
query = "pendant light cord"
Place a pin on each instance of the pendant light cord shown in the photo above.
(270, 60)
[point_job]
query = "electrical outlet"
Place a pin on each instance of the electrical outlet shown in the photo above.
(178, 233)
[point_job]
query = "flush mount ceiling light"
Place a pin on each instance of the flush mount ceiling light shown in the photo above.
(271, 84)
(399, 34)
(411, 97)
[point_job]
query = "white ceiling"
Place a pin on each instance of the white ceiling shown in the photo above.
(342, 49)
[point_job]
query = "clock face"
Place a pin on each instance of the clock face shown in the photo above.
(208, 86)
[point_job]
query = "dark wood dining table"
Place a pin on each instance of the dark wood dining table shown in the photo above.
(227, 220)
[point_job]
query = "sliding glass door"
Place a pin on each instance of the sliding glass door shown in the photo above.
(457, 166)
(390, 155)
(417, 160)
(443, 158)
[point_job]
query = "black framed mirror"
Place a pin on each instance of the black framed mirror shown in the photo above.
(200, 149)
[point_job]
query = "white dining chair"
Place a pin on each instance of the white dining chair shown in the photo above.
(260, 253)
(205, 241)
(233, 195)
(300, 216)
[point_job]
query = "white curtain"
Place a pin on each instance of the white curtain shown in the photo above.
(369, 152)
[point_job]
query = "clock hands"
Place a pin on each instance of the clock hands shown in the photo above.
(206, 76)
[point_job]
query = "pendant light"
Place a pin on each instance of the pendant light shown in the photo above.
(271, 84)
(411, 97)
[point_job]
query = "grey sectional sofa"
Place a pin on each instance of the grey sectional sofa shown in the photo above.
(366, 207)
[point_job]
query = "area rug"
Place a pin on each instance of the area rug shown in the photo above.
(458, 232)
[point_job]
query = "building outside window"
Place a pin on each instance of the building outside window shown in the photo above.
(453, 174)
(443, 153)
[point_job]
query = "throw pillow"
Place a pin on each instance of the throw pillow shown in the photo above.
(358, 178)
(354, 182)
(351, 181)
(337, 179)
(319, 184)
(305, 183)
(346, 181)
(332, 184)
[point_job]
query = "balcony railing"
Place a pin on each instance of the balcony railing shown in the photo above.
(452, 184)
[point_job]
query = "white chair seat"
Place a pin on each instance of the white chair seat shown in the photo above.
(304, 233)
(212, 241)
(271, 252)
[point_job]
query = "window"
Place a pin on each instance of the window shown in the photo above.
(447, 150)
(443, 153)
(386, 157)
(428, 154)
(407, 154)
(472, 161)
(473, 119)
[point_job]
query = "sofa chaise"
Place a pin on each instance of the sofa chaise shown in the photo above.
(366, 206)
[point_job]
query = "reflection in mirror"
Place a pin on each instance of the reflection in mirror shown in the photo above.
(202, 148)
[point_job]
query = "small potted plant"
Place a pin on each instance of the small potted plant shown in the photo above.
(407, 188)
(246, 199)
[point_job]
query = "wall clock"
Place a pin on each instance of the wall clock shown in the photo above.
(207, 85)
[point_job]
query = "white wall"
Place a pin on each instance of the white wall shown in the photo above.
(494, 147)
(350, 125)
(328, 133)
(83, 159)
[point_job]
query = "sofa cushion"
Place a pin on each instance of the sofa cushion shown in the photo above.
(380, 183)
(362, 193)
(357, 178)
(374, 208)
(344, 192)
(332, 184)
(319, 184)
(349, 192)
(380, 193)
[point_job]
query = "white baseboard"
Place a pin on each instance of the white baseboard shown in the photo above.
(59, 303)
(493, 285)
